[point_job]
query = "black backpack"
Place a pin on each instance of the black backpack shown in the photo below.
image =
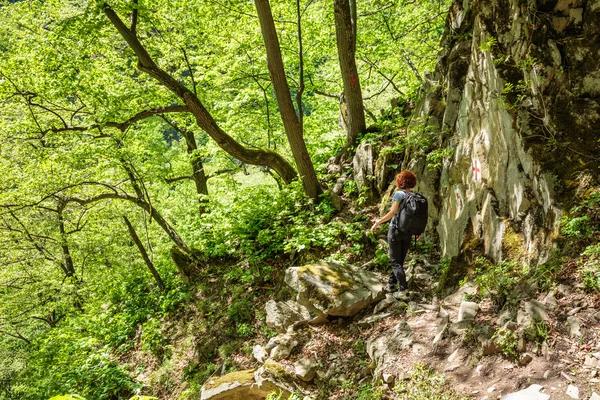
(411, 218)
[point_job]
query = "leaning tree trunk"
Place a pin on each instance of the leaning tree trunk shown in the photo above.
(203, 118)
(291, 123)
(345, 30)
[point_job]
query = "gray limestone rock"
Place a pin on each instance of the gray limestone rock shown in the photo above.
(259, 353)
(574, 326)
(468, 288)
(468, 310)
(370, 320)
(531, 393)
(281, 346)
(249, 384)
(400, 338)
(282, 314)
(305, 369)
(334, 288)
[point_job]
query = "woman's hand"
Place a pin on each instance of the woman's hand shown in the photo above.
(375, 227)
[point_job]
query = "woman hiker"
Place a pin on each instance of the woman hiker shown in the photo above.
(398, 241)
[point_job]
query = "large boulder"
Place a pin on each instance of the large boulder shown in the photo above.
(282, 314)
(334, 288)
(252, 384)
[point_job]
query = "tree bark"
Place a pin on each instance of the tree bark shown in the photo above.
(68, 266)
(144, 254)
(198, 173)
(291, 123)
(345, 32)
(203, 118)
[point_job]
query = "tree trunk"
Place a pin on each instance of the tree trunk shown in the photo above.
(291, 123)
(345, 30)
(198, 173)
(144, 254)
(203, 118)
(68, 266)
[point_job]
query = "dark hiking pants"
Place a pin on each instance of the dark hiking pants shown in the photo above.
(398, 248)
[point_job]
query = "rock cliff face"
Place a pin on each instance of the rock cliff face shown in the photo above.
(516, 96)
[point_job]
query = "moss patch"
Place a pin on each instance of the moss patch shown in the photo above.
(243, 377)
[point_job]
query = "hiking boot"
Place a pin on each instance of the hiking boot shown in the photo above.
(391, 287)
(400, 295)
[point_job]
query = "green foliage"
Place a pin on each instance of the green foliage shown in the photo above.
(489, 44)
(508, 341)
(499, 280)
(425, 383)
(435, 158)
(538, 331)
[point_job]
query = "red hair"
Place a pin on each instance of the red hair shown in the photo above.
(406, 180)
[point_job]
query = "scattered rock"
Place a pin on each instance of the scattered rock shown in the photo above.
(384, 345)
(468, 288)
(334, 288)
(575, 311)
(595, 396)
(388, 378)
(567, 377)
(591, 362)
(468, 310)
(385, 303)
(273, 377)
(282, 314)
(450, 368)
(550, 301)
(441, 330)
(549, 374)
(305, 369)
(525, 359)
(574, 326)
(281, 346)
(259, 353)
(367, 321)
(573, 392)
(537, 309)
(531, 393)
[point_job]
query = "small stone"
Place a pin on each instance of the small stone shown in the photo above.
(333, 356)
(468, 310)
(453, 356)
(567, 377)
(259, 353)
(385, 303)
(573, 392)
(525, 359)
(490, 347)
(574, 326)
(305, 369)
(575, 311)
(550, 300)
(590, 362)
(595, 396)
(368, 321)
(549, 374)
(451, 368)
(491, 388)
(536, 309)
(388, 378)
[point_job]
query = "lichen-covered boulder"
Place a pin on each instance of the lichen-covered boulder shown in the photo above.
(272, 377)
(252, 384)
(282, 314)
(334, 288)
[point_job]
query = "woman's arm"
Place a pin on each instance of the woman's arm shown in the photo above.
(386, 217)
